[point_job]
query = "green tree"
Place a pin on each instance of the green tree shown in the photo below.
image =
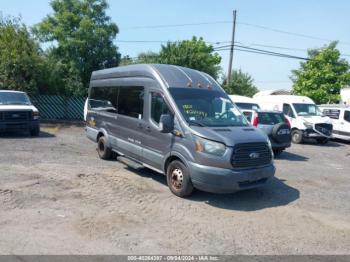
(322, 76)
(241, 84)
(148, 58)
(194, 53)
(21, 60)
(82, 35)
(60, 78)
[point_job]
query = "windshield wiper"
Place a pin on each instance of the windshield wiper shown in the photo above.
(193, 122)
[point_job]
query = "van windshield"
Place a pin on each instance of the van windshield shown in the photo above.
(307, 110)
(204, 107)
(14, 98)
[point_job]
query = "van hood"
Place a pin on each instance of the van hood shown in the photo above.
(231, 136)
(316, 119)
(17, 107)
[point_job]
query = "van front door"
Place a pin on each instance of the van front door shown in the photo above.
(345, 124)
(155, 143)
(288, 111)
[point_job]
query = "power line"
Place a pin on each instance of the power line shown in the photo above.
(220, 42)
(288, 32)
(262, 27)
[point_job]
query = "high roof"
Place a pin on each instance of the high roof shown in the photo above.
(171, 75)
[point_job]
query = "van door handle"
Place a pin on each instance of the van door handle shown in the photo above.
(148, 129)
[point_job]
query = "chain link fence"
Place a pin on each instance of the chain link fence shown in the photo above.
(59, 107)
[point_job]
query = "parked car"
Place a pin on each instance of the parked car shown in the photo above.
(178, 122)
(340, 117)
(18, 113)
(306, 119)
(276, 126)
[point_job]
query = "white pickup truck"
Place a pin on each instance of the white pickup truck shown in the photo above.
(18, 113)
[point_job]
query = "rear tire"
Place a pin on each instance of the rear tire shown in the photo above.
(277, 152)
(297, 136)
(178, 179)
(104, 152)
(35, 131)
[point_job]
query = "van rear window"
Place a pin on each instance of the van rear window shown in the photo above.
(270, 118)
(347, 116)
(123, 100)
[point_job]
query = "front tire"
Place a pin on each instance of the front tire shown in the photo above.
(297, 136)
(35, 131)
(104, 152)
(178, 179)
(277, 152)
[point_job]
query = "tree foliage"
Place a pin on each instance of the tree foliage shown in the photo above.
(82, 35)
(322, 76)
(21, 61)
(194, 53)
(241, 84)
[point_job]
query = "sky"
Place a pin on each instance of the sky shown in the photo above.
(320, 20)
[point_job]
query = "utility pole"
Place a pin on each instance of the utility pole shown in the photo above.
(232, 45)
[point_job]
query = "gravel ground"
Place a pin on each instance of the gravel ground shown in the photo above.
(58, 197)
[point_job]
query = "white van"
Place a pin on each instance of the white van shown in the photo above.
(345, 96)
(305, 117)
(246, 104)
(340, 117)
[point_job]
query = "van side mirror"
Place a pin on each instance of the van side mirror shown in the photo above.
(166, 123)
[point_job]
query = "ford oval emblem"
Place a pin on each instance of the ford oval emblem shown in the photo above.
(254, 155)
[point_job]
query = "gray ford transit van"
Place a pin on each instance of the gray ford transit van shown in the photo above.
(178, 122)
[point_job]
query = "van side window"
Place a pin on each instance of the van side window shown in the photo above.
(130, 101)
(158, 107)
(332, 113)
(287, 110)
(104, 98)
(347, 116)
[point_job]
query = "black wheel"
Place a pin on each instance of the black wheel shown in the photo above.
(35, 131)
(322, 140)
(277, 152)
(104, 152)
(297, 136)
(178, 179)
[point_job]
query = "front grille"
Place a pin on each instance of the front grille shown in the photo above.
(15, 115)
(324, 128)
(250, 155)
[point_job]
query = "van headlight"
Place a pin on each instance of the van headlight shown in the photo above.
(210, 147)
(308, 124)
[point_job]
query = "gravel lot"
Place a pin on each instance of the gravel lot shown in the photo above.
(58, 197)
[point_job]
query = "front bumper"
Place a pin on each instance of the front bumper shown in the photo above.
(221, 180)
(14, 125)
(311, 133)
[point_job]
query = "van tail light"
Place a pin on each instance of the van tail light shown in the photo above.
(255, 119)
(287, 121)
